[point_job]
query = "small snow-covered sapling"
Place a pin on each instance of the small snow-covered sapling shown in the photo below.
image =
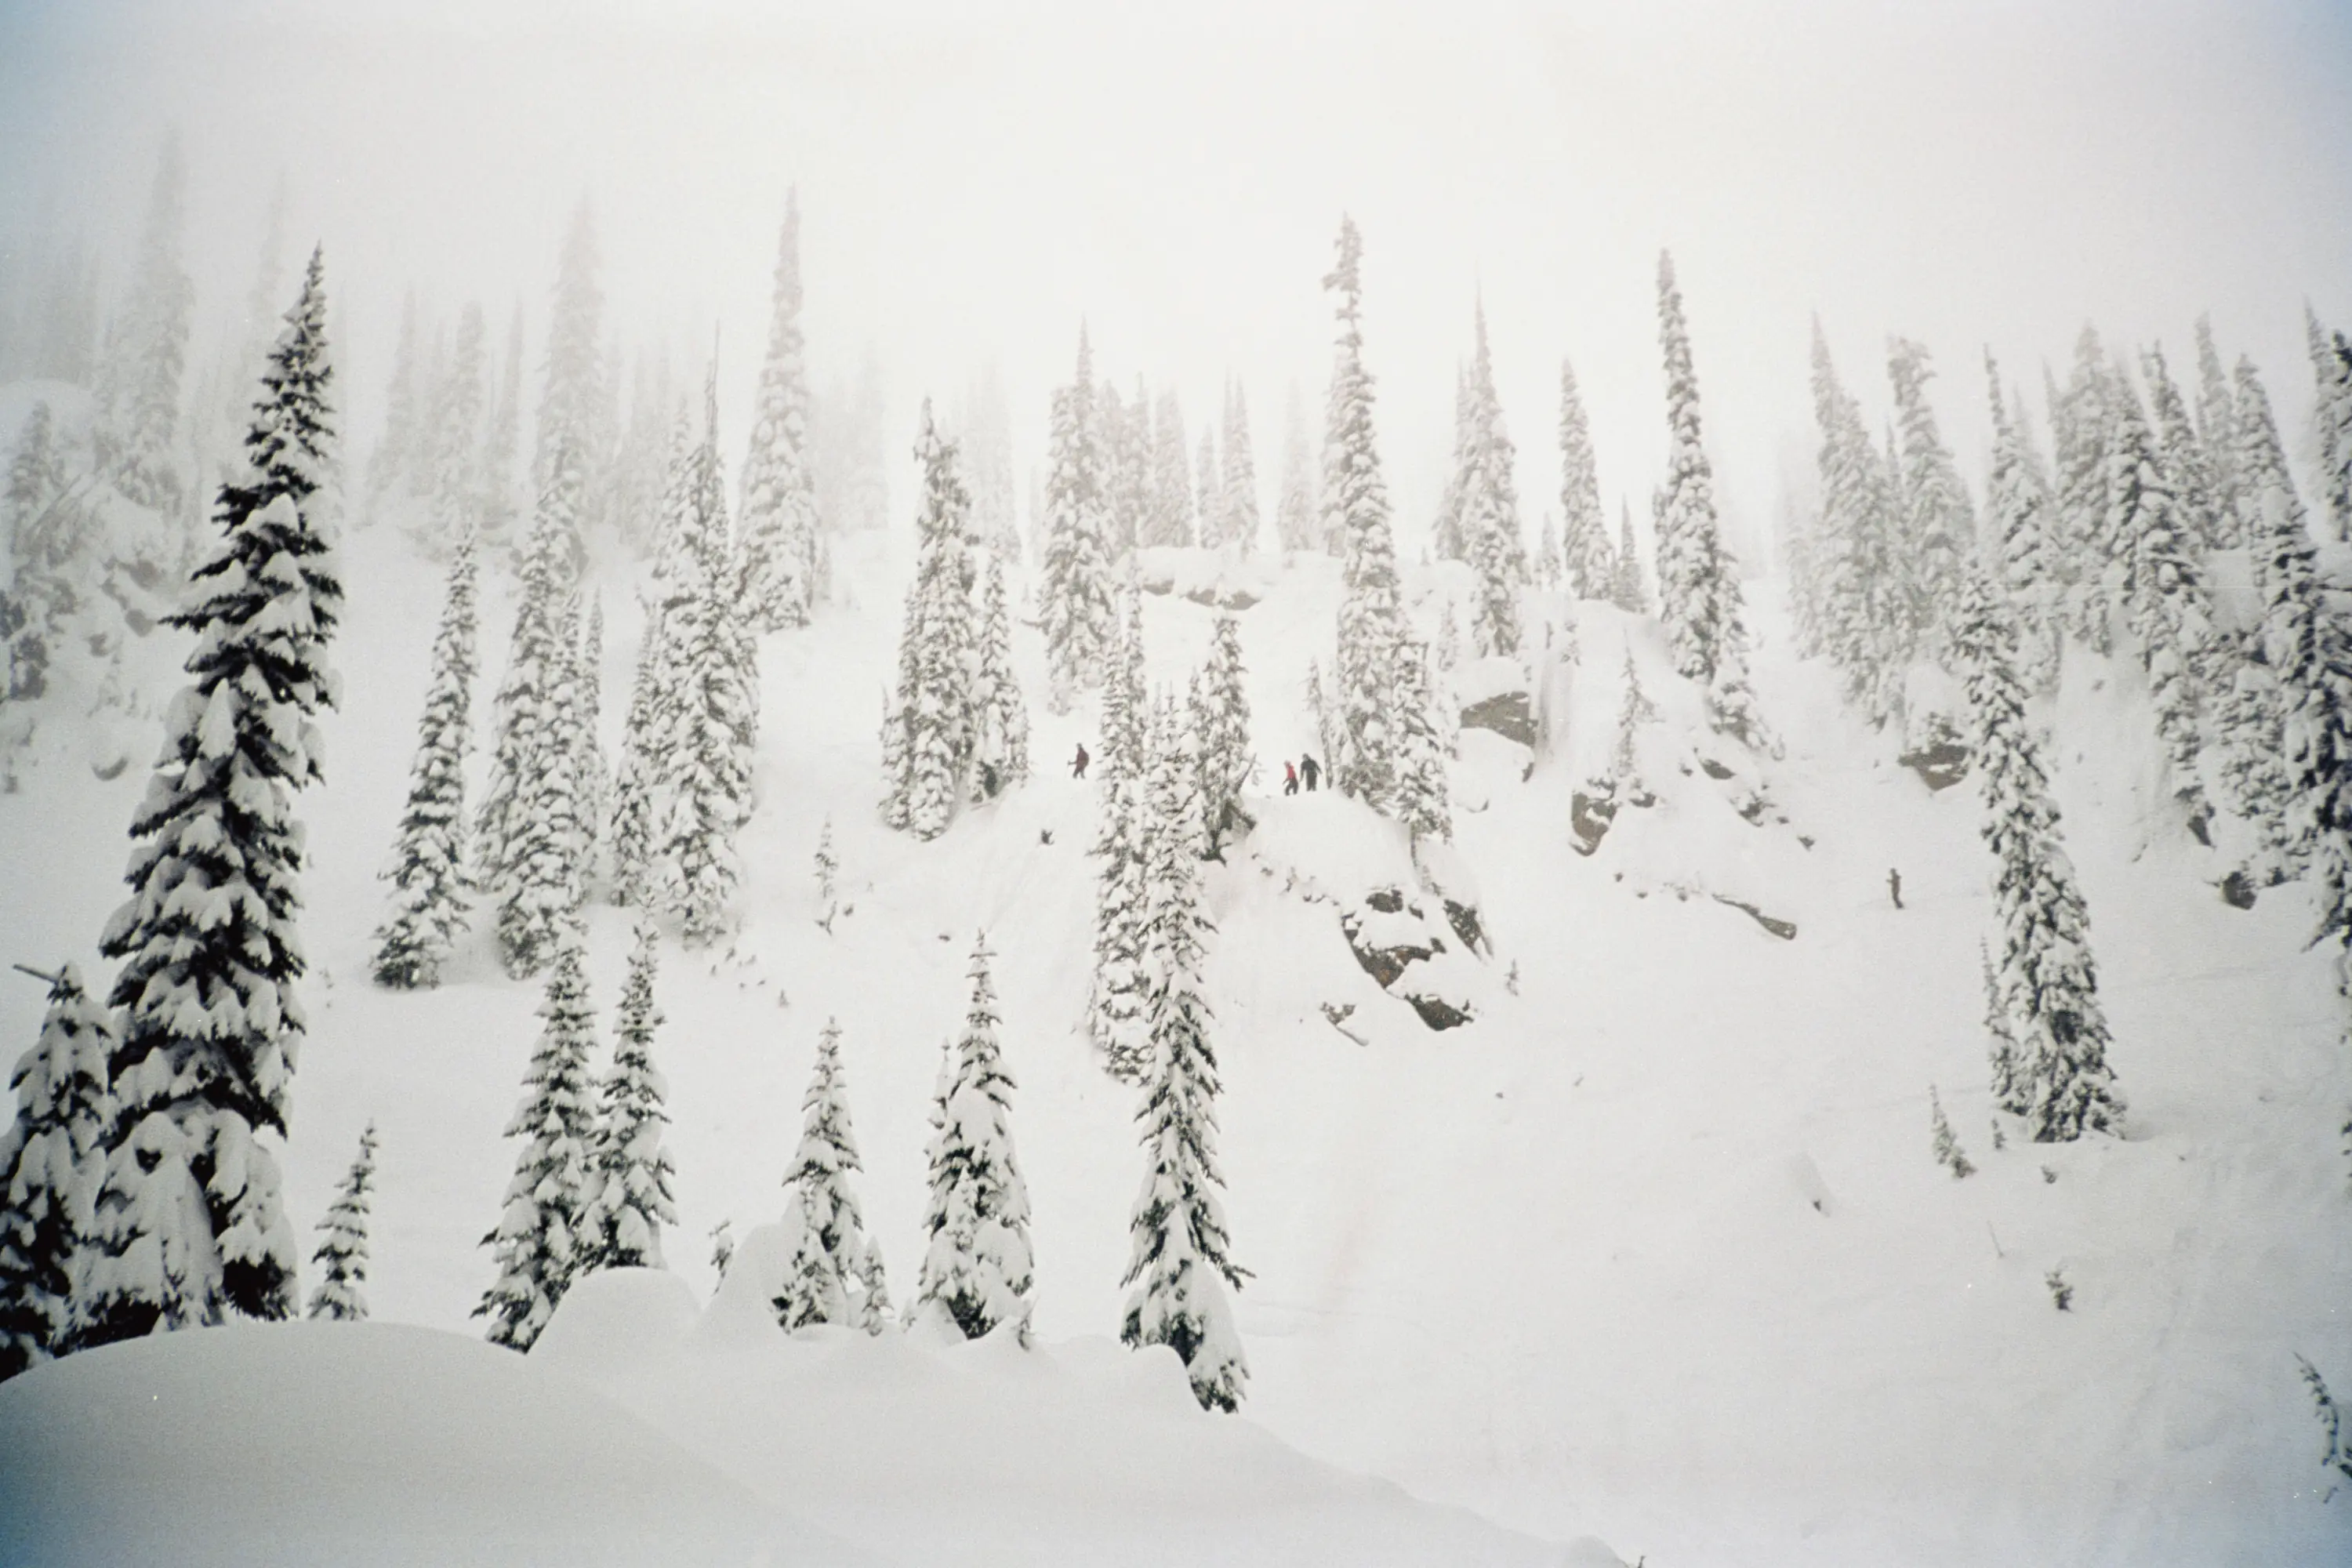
(1948, 1153)
(2331, 1421)
(722, 1245)
(2062, 1294)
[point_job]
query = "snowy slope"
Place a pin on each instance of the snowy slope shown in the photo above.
(1654, 1248)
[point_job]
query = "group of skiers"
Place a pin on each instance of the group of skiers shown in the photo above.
(1306, 767)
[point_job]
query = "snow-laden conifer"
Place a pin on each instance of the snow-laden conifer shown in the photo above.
(2331, 421)
(503, 443)
(1179, 1264)
(191, 1226)
(2059, 1080)
(999, 717)
(1220, 716)
(147, 352)
(1585, 553)
(588, 695)
(341, 1291)
(1295, 521)
(2182, 457)
(543, 1239)
(1126, 436)
(2080, 422)
(2217, 432)
(828, 877)
(1208, 493)
(2017, 522)
(52, 1165)
(1868, 623)
(1115, 1001)
(575, 401)
(427, 870)
(638, 778)
(1363, 742)
(396, 450)
(835, 1275)
(1629, 593)
(977, 1268)
(933, 704)
(627, 1198)
(1938, 528)
(1945, 1145)
(2163, 596)
(1699, 599)
(453, 440)
(1074, 591)
(1238, 480)
(1169, 519)
(1488, 508)
(1423, 804)
(779, 504)
(713, 716)
(528, 834)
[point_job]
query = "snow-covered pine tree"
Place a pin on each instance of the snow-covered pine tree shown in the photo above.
(526, 834)
(2319, 761)
(779, 503)
(147, 352)
(1220, 717)
(976, 1262)
(588, 693)
(1240, 477)
(1486, 509)
(53, 1164)
(1073, 591)
(190, 1226)
(1547, 567)
(1585, 553)
(1945, 1145)
(2331, 364)
(1181, 1263)
(2048, 981)
(573, 400)
(2182, 457)
(1295, 519)
(2017, 522)
(2080, 421)
(1699, 599)
(1868, 619)
(1170, 518)
(1422, 800)
(427, 869)
(627, 1198)
(999, 718)
(342, 1294)
(2002, 1051)
(397, 452)
(1207, 494)
(1115, 1001)
(1362, 760)
(1630, 593)
(1939, 527)
(638, 781)
(453, 435)
(1130, 472)
(835, 1273)
(2163, 596)
(502, 443)
(541, 1241)
(828, 876)
(2217, 432)
(933, 704)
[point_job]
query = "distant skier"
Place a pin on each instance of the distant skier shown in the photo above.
(1290, 779)
(1078, 763)
(1311, 768)
(1894, 886)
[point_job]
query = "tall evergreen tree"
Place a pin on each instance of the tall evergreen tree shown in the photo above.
(638, 779)
(977, 1268)
(627, 1197)
(453, 462)
(779, 505)
(1488, 508)
(1170, 518)
(588, 694)
(1074, 595)
(2217, 432)
(2017, 522)
(835, 1275)
(147, 351)
(528, 836)
(543, 1241)
(1295, 517)
(1631, 594)
(999, 718)
(341, 1295)
(1868, 620)
(1115, 1005)
(933, 708)
(1422, 802)
(397, 451)
(428, 859)
(1239, 479)
(52, 1165)
(2183, 458)
(1699, 599)
(2163, 596)
(1207, 494)
(1181, 1263)
(502, 445)
(1363, 741)
(573, 400)
(2331, 364)
(2080, 422)
(1220, 716)
(191, 1226)
(2058, 1077)
(1590, 563)
(1939, 528)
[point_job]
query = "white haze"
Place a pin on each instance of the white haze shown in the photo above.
(974, 180)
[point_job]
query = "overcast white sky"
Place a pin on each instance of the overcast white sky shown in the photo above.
(974, 179)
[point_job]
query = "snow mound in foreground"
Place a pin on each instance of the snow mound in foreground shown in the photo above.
(649, 1429)
(356, 1444)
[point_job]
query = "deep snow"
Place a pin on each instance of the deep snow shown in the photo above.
(1653, 1249)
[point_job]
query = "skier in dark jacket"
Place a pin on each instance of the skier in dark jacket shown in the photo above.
(1078, 763)
(1894, 886)
(1312, 769)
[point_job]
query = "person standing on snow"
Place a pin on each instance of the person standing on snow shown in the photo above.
(1894, 886)
(1289, 778)
(1078, 763)
(1311, 768)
